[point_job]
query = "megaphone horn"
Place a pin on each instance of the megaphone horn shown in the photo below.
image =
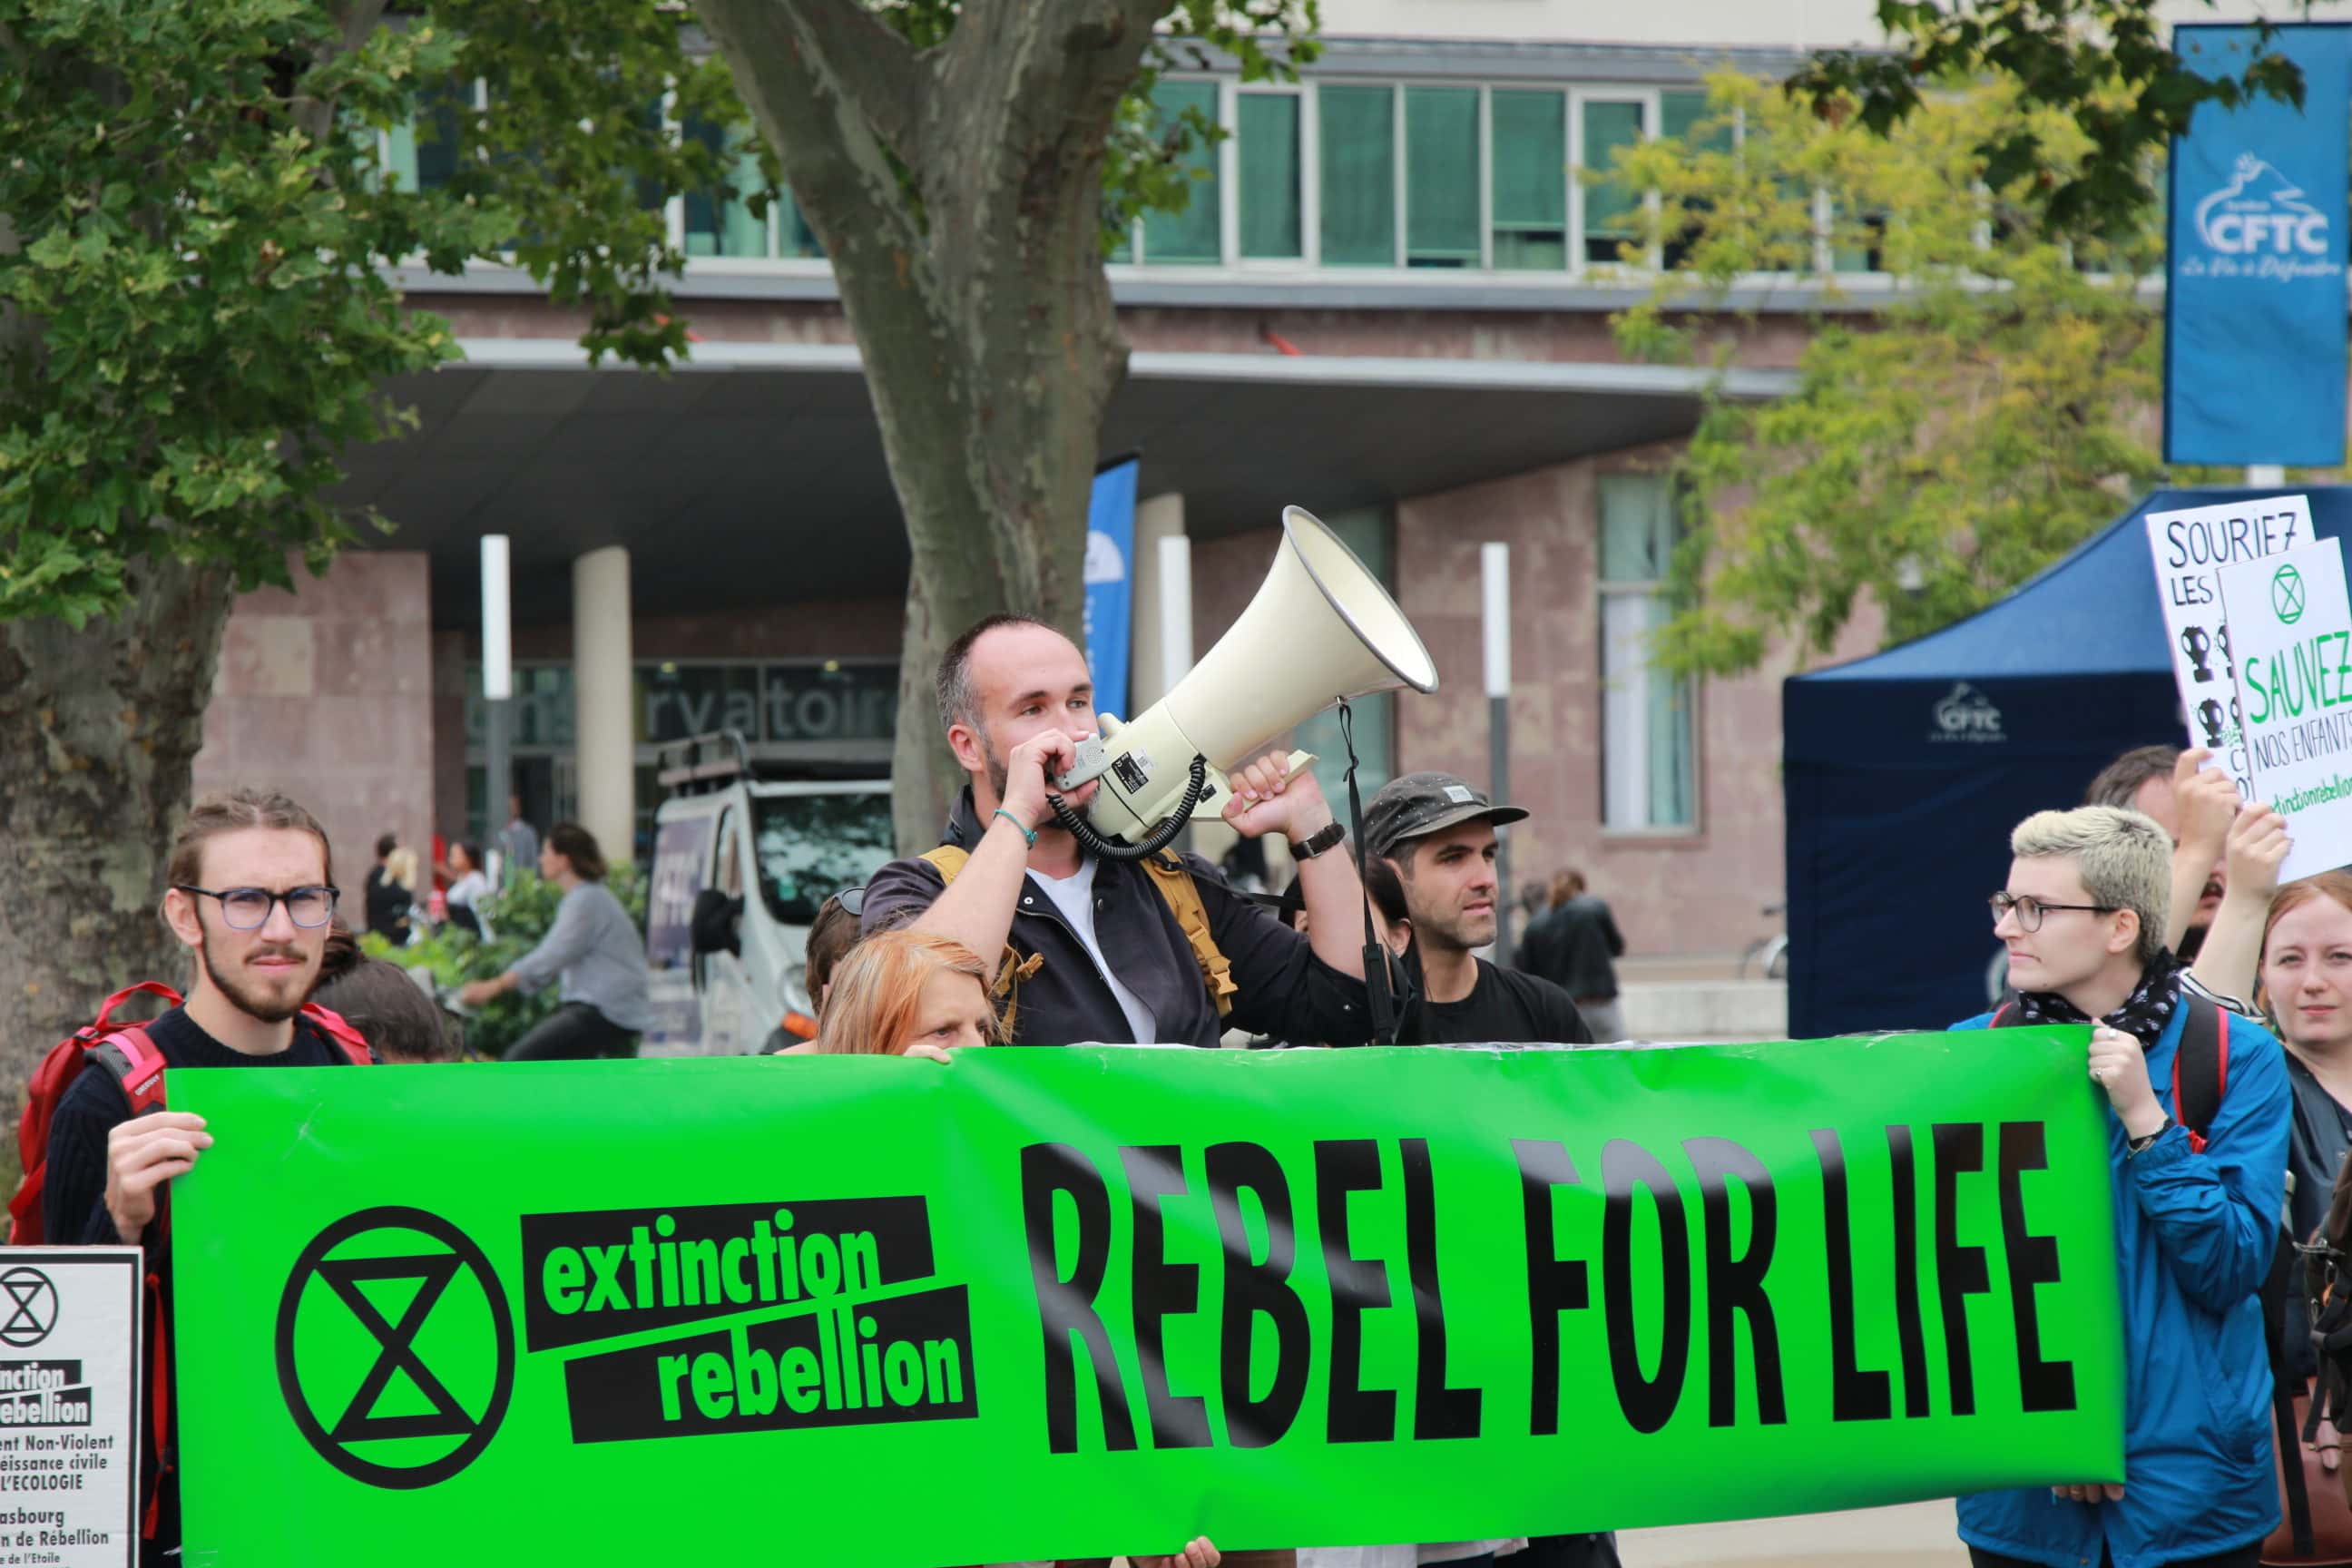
(1321, 629)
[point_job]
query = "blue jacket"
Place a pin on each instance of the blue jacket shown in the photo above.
(2195, 1236)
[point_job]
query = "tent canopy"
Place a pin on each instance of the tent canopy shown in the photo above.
(1904, 771)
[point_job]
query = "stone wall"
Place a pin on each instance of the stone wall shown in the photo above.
(326, 693)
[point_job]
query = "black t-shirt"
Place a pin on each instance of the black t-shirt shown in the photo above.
(73, 1204)
(1505, 1008)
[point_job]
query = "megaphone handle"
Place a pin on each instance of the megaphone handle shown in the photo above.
(1159, 838)
(1221, 790)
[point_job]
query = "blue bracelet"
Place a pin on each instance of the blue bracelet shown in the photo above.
(1028, 833)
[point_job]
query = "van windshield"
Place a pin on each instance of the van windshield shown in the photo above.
(813, 845)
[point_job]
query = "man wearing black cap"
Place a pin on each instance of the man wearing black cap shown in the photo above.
(1439, 834)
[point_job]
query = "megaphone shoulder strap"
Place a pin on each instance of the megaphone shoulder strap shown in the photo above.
(1176, 888)
(1175, 883)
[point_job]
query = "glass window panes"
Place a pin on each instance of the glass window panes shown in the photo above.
(1441, 163)
(1267, 138)
(1684, 118)
(422, 151)
(1609, 206)
(1649, 731)
(1857, 249)
(720, 222)
(1530, 192)
(1649, 737)
(795, 240)
(1193, 234)
(1637, 529)
(1358, 175)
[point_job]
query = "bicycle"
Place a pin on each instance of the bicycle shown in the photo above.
(1768, 955)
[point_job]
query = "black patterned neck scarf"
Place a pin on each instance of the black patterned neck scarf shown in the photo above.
(2143, 1015)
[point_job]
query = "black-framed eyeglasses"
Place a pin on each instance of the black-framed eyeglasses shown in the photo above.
(852, 901)
(247, 909)
(2029, 910)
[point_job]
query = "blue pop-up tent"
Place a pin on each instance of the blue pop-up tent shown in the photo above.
(1904, 771)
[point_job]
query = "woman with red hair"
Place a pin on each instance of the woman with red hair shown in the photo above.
(908, 993)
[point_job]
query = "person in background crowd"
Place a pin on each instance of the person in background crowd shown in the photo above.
(517, 841)
(251, 893)
(906, 993)
(1574, 944)
(831, 936)
(384, 1003)
(1438, 833)
(2194, 804)
(2082, 916)
(1101, 955)
(385, 902)
(470, 890)
(594, 946)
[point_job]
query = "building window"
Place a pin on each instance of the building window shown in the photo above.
(1442, 221)
(1194, 236)
(1529, 191)
(421, 152)
(1267, 145)
(1609, 205)
(1358, 178)
(1371, 532)
(721, 222)
(1649, 733)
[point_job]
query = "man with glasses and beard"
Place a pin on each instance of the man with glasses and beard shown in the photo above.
(2196, 1218)
(251, 893)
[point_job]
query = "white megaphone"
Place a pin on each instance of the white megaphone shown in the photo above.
(1321, 629)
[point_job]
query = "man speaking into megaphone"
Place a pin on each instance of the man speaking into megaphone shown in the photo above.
(1160, 950)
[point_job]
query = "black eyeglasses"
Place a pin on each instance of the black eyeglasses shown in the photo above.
(2029, 910)
(247, 909)
(852, 901)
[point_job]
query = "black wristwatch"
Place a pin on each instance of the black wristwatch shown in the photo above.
(1327, 839)
(2142, 1145)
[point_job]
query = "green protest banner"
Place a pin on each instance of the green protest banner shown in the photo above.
(1075, 1303)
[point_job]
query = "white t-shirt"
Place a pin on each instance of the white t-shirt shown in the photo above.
(1074, 897)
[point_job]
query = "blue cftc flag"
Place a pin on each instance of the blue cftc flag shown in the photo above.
(1110, 582)
(2254, 295)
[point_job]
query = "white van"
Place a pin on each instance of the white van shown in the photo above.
(773, 842)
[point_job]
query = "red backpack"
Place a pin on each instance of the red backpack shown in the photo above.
(124, 1050)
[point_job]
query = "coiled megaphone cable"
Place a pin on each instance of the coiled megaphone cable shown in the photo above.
(1159, 838)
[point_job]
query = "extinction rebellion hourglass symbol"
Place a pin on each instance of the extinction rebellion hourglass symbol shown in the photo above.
(365, 1294)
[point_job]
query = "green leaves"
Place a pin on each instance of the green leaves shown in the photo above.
(193, 322)
(1991, 414)
(2102, 63)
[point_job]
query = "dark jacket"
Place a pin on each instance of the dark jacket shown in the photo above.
(1571, 945)
(1284, 989)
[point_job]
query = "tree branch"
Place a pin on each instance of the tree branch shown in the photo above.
(878, 72)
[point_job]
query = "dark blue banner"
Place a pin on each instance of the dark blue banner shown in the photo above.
(2255, 304)
(1110, 582)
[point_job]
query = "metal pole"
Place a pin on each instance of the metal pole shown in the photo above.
(1495, 573)
(1175, 624)
(498, 689)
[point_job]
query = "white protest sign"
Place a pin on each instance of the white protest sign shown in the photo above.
(2189, 547)
(2293, 628)
(70, 1406)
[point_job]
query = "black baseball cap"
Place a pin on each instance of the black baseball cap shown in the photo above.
(1418, 805)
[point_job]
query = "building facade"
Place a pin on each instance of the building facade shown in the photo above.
(1388, 303)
